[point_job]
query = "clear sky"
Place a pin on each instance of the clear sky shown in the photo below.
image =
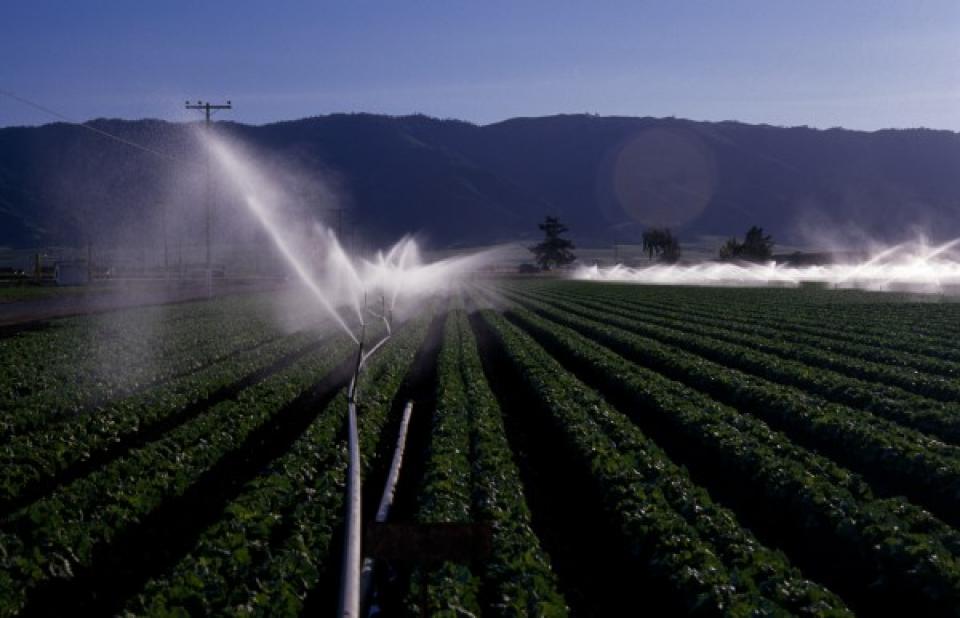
(853, 63)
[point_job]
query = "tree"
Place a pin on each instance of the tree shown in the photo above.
(731, 249)
(671, 250)
(554, 250)
(661, 242)
(756, 247)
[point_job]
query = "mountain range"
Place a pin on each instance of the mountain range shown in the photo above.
(458, 184)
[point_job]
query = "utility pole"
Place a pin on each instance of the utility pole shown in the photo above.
(209, 109)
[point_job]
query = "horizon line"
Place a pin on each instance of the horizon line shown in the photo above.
(481, 125)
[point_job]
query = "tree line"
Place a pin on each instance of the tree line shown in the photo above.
(658, 243)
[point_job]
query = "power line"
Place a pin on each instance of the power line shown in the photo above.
(100, 132)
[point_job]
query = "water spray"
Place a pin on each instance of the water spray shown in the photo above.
(338, 281)
(906, 267)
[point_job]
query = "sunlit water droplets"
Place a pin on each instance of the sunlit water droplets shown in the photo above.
(349, 288)
(913, 266)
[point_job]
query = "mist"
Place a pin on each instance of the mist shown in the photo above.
(349, 287)
(911, 266)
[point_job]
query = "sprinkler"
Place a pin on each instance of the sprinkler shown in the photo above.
(910, 266)
(337, 282)
(352, 557)
(359, 365)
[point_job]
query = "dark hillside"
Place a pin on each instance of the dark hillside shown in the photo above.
(459, 184)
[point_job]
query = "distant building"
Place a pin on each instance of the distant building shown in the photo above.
(71, 273)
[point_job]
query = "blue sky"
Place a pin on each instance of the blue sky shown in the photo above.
(851, 63)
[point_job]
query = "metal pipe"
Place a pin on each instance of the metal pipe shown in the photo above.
(375, 348)
(386, 499)
(350, 588)
(351, 563)
(390, 488)
(351, 393)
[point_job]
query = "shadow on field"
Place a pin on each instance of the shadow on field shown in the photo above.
(35, 326)
(596, 576)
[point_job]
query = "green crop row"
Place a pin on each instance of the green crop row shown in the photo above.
(794, 365)
(445, 493)
(82, 364)
(908, 370)
(856, 360)
(57, 535)
(890, 350)
(866, 312)
(36, 458)
(669, 525)
(906, 552)
(272, 544)
(887, 325)
(472, 477)
(923, 468)
(519, 572)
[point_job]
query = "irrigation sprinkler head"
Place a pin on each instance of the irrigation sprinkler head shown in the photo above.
(352, 395)
(337, 281)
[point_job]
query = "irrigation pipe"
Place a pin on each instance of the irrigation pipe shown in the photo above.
(390, 489)
(384, 315)
(386, 500)
(350, 585)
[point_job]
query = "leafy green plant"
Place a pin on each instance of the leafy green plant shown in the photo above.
(918, 465)
(670, 525)
(900, 543)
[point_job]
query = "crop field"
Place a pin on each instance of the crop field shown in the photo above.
(673, 450)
